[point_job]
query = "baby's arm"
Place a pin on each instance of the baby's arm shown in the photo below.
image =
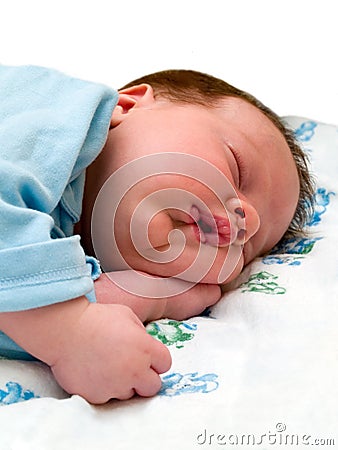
(181, 306)
(94, 350)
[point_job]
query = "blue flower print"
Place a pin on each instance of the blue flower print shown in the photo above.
(282, 259)
(295, 246)
(305, 131)
(322, 200)
(189, 383)
(15, 394)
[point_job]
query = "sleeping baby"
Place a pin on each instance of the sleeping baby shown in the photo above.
(118, 208)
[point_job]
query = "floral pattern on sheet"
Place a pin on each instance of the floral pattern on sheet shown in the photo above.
(264, 283)
(14, 393)
(190, 383)
(305, 131)
(322, 201)
(288, 260)
(290, 251)
(285, 252)
(295, 246)
(172, 332)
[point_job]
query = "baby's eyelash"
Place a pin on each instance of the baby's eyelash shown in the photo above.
(240, 165)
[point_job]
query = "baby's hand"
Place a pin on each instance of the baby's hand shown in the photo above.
(97, 351)
(194, 300)
(110, 355)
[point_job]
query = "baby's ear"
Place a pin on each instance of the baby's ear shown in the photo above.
(141, 95)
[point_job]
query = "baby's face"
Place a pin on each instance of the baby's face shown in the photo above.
(224, 177)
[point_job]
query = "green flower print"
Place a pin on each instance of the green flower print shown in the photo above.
(263, 282)
(171, 332)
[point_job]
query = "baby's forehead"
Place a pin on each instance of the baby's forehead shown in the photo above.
(250, 107)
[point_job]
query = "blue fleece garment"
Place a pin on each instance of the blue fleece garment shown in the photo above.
(52, 127)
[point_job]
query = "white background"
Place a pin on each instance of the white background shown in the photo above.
(283, 52)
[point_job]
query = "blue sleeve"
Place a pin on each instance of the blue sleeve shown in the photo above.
(51, 128)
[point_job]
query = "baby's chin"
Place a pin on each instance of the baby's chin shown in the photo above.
(223, 270)
(226, 274)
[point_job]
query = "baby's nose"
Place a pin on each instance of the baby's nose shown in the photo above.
(243, 214)
(234, 224)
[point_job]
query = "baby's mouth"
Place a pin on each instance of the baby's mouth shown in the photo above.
(217, 231)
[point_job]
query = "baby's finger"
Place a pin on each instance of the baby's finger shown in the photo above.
(149, 385)
(160, 356)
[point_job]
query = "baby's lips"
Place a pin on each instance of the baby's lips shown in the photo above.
(223, 226)
(226, 231)
(220, 231)
(195, 213)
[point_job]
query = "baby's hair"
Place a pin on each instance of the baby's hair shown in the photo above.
(192, 87)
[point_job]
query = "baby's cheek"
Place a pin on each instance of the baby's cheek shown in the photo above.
(158, 230)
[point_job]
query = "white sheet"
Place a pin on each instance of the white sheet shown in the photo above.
(263, 365)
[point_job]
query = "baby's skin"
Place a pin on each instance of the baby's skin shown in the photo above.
(101, 350)
(214, 231)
